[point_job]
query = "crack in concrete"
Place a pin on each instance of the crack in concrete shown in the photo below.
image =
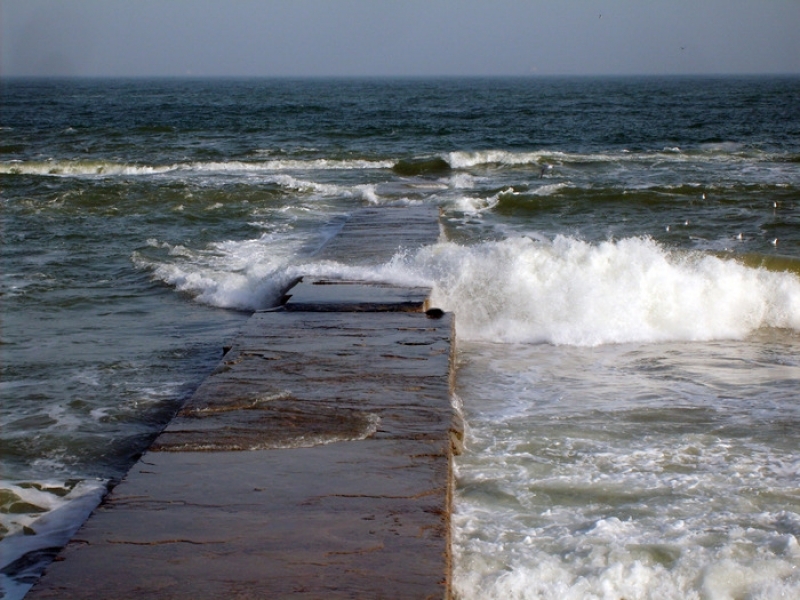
(164, 542)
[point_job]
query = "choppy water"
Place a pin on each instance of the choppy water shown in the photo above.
(623, 257)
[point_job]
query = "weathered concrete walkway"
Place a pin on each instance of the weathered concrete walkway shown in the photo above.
(315, 462)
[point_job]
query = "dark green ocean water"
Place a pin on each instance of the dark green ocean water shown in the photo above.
(623, 256)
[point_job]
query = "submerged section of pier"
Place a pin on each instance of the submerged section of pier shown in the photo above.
(315, 462)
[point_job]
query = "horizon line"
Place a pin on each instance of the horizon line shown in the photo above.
(188, 76)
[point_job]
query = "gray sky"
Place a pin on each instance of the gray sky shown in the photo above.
(397, 38)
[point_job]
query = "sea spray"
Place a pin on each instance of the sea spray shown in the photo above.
(523, 289)
(630, 290)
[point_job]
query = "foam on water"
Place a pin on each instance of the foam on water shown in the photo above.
(474, 205)
(466, 160)
(522, 289)
(84, 168)
(614, 569)
(722, 152)
(525, 290)
(469, 204)
(663, 471)
(245, 275)
(37, 519)
(677, 541)
(289, 165)
(577, 293)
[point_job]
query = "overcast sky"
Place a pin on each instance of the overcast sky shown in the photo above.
(397, 37)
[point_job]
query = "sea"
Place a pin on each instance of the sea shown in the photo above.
(622, 256)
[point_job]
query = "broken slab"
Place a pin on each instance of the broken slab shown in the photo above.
(317, 294)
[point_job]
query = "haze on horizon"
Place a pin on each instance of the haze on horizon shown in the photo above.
(412, 38)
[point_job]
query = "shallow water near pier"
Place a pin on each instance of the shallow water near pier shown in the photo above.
(632, 471)
(622, 256)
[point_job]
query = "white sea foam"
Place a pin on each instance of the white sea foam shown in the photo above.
(573, 292)
(552, 517)
(369, 193)
(463, 181)
(465, 160)
(246, 275)
(474, 205)
(321, 164)
(550, 189)
(86, 168)
(304, 185)
(725, 152)
(607, 564)
(55, 512)
(627, 472)
(526, 290)
(95, 168)
(457, 160)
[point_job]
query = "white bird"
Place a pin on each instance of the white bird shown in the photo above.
(774, 242)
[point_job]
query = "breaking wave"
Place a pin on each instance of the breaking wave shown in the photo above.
(564, 291)
(577, 293)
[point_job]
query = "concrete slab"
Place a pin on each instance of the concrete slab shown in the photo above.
(295, 379)
(338, 521)
(315, 462)
(358, 507)
(375, 235)
(315, 294)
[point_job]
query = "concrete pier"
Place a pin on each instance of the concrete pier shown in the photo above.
(315, 462)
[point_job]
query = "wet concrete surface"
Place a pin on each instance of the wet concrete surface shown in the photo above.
(315, 462)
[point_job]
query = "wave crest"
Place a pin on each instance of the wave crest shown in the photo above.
(631, 290)
(107, 168)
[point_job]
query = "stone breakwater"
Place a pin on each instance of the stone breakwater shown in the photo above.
(314, 462)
